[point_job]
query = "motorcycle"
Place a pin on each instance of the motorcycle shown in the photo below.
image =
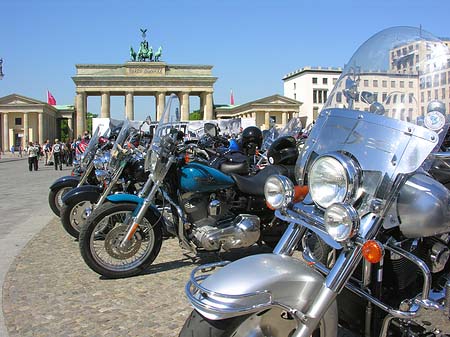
(81, 174)
(210, 211)
(374, 226)
(121, 170)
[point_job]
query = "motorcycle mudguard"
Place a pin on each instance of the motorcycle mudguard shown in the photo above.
(125, 197)
(276, 279)
(85, 192)
(65, 181)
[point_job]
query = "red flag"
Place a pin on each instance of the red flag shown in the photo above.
(50, 99)
(231, 98)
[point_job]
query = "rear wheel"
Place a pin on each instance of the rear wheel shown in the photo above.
(273, 322)
(102, 233)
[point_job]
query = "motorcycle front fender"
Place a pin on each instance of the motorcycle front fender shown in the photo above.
(273, 279)
(64, 182)
(125, 197)
(85, 192)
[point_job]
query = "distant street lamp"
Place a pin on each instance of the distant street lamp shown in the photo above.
(1, 69)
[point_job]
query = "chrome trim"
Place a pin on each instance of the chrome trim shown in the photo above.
(86, 174)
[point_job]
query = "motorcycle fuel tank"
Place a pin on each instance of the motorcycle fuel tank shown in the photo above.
(196, 177)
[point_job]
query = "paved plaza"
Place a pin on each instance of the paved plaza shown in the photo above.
(48, 291)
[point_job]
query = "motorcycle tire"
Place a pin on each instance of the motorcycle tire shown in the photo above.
(55, 196)
(73, 214)
(270, 322)
(103, 230)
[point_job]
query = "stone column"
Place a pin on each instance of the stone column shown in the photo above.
(41, 127)
(26, 128)
(105, 110)
(208, 109)
(129, 105)
(184, 106)
(284, 116)
(70, 126)
(266, 120)
(160, 104)
(81, 112)
(5, 132)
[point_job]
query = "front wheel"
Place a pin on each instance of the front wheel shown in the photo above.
(273, 322)
(55, 196)
(102, 233)
(75, 212)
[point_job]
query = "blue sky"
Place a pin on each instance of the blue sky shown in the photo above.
(251, 44)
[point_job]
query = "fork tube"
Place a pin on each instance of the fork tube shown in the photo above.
(289, 240)
(86, 174)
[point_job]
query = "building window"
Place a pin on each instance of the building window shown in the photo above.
(411, 83)
(422, 96)
(375, 83)
(18, 121)
(394, 99)
(384, 84)
(436, 80)
(295, 95)
(375, 96)
(392, 84)
(274, 118)
(295, 86)
(383, 97)
(429, 95)
(436, 94)
(443, 93)
(314, 80)
(320, 96)
(315, 113)
(402, 84)
(411, 98)
(334, 81)
(402, 98)
(443, 78)
(325, 80)
(428, 82)
(339, 97)
(366, 83)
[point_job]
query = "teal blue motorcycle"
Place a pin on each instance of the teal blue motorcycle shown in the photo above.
(205, 208)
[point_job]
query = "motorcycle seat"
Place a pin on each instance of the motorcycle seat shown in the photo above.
(254, 185)
(233, 167)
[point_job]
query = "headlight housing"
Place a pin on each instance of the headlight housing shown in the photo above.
(333, 178)
(278, 191)
(341, 221)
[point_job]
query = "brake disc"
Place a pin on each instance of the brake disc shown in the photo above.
(113, 240)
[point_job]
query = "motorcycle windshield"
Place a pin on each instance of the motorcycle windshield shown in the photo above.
(381, 113)
(292, 128)
(89, 152)
(170, 122)
(118, 144)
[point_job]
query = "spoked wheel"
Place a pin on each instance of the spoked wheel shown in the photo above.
(74, 214)
(55, 198)
(273, 322)
(102, 234)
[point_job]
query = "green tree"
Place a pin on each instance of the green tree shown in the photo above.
(196, 116)
(89, 117)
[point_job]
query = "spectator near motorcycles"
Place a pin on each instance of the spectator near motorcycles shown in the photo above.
(47, 151)
(32, 157)
(57, 154)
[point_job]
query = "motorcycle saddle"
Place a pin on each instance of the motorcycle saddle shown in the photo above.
(254, 185)
(233, 167)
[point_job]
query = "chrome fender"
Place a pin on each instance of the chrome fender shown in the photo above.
(253, 284)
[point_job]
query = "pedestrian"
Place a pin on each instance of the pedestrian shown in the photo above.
(12, 150)
(47, 151)
(32, 157)
(69, 153)
(57, 154)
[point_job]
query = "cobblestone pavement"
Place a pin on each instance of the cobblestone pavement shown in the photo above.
(49, 291)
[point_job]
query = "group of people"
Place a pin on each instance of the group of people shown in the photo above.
(55, 154)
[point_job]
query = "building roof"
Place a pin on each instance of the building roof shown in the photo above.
(333, 70)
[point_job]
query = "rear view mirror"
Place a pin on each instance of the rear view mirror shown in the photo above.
(210, 129)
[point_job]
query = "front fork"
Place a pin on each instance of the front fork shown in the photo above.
(335, 281)
(86, 174)
(111, 184)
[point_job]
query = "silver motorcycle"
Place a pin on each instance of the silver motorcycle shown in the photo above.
(374, 227)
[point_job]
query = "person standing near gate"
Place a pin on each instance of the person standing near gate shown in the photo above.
(32, 157)
(57, 154)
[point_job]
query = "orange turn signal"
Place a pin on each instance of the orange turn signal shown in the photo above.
(372, 251)
(300, 192)
(269, 206)
(186, 158)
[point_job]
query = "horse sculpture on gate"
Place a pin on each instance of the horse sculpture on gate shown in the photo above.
(158, 54)
(132, 54)
(145, 52)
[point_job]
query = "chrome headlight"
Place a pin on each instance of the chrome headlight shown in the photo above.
(101, 162)
(333, 178)
(278, 191)
(341, 221)
(101, 175)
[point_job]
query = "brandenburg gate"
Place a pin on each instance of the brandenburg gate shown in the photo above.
(157, 79)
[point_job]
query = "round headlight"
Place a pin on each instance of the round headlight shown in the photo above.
(341, 221)
(279, 191)
(333, 178)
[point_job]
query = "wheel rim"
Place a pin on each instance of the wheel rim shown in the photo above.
(106, 236)
(79, 214)
(58, 197)
(274, 322)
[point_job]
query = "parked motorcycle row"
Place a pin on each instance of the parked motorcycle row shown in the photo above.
(364, 200)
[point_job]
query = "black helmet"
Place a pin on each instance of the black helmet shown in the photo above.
(252, 134)
(283, 151)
